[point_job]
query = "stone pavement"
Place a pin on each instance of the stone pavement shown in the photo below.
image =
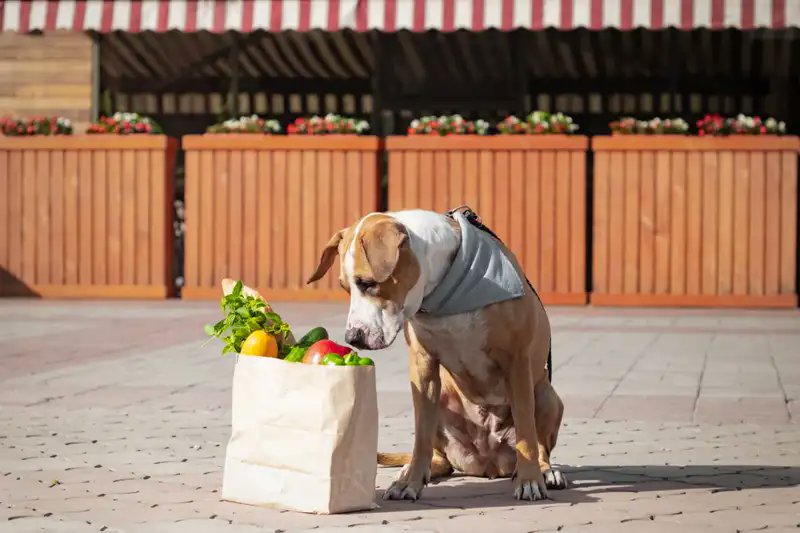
(114, 417)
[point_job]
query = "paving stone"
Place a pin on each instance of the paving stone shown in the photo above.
(130, 436)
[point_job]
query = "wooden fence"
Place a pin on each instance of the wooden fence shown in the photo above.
(531, 190)
(86, 216)
(695, 221)
(260, 209)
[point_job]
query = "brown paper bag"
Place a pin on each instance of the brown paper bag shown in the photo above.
(304, 437)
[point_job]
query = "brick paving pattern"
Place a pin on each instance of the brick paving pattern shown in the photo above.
(115, 416)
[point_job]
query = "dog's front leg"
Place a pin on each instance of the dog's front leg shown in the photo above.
(528, 480)
(426, 386)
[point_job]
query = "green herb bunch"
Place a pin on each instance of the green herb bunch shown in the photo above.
(244, 315)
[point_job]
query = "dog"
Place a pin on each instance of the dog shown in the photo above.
(482, 402)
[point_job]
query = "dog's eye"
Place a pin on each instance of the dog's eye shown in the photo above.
(366, 285)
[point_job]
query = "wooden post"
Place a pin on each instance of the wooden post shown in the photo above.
(233, 90)
(95, 108)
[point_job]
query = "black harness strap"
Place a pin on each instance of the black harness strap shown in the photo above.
(473, 218)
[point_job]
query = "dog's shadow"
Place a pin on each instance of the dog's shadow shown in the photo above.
(589, 483)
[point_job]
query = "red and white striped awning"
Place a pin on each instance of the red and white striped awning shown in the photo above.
(391, 15)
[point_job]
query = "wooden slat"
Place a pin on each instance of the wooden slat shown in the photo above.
(757, 235)
(191, 199)
(313, 205)
(15, 214)
(29, 215)
(725, 224)
(144, 211)
(616, 224)
(250, 226)
(43, 218)
(235, 208)
(455, 168)
(678, 219)
(281, 175)
(128, 217)
(562, 242)
(161, 218)
(647, 224)
(600, 225)
(219, 199)
(340, 218)
(788, 221)
(354, 187)
(263, 218)
(578, 222)
(396, 182)
(412, 179)
(206, 220)
(533, 210)
(369, 180)
(710, 223)
(516, 207)
(85, 193)
(114, 216)
(631, 204)
(772, 243)
(694, 222)
(741, 222)
(426, 196)
(471, 178)
(324, 218)
(500, 218)
(486, 186)
(663, 210)
(294, 203)
(548, 177)
(441, 178)
(99, 218)
(57, 217)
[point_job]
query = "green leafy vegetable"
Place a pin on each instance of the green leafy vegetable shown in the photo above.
(244, 315)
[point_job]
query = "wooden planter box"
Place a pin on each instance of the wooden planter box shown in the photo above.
(531, 190)
(691, 221)
(86, 216)
(260, 208)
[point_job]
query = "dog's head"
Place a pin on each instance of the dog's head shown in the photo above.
(381, 273)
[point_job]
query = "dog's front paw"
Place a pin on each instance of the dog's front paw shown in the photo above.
(530, 489)
(554, 479)
(407, 485)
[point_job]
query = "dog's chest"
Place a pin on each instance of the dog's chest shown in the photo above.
(459, 343)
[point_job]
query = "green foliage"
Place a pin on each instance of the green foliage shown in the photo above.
(244, 315)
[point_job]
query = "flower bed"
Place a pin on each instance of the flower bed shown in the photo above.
(530, 189)
(692, 221)
(330, 124)
(17, 127)
(86, 216)
(125, 124)
(260, 208)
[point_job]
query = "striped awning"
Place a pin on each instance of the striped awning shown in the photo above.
(391, 15)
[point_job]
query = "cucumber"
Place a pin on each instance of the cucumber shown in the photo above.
(316, 334)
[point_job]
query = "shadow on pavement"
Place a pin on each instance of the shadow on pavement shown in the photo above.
(589, 483)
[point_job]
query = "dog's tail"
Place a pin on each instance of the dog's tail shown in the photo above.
(393, 459)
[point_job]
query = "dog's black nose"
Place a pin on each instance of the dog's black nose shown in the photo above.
(355, 337)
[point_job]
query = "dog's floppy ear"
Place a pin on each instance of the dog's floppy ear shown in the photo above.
(381, 247)
(329, 253)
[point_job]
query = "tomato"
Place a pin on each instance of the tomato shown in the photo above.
(320, 349)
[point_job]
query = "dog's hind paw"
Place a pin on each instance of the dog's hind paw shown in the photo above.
(554, 479)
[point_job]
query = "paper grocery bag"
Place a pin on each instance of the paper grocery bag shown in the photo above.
(304, 437)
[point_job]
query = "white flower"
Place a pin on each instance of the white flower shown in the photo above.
(782, 127)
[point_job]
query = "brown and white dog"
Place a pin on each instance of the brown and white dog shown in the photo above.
(482, 402)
